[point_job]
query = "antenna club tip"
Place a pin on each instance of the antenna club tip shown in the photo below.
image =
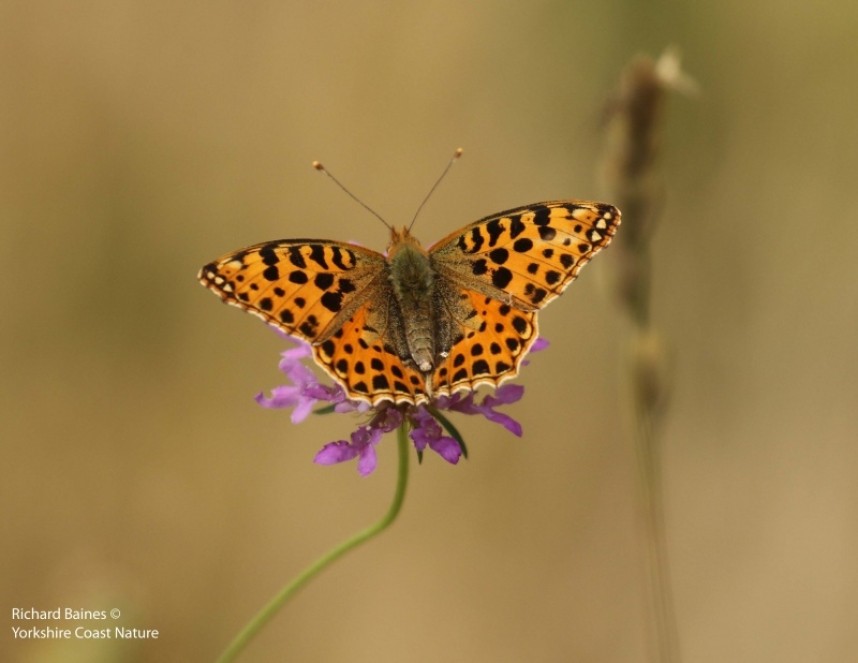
(318, 165)
(458, 152)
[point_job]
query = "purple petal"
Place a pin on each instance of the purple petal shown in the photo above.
(284, 396)
(335, 452)
(426, 431)
(367, 461)
(323, 392)
(447, 448)
(361, 446)
(506, 394)
(424, 428)
(504, 420)
(303, 409)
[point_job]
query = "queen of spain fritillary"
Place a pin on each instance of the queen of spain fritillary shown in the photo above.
(414, 323)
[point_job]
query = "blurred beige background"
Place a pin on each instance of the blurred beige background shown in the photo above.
(142, 139)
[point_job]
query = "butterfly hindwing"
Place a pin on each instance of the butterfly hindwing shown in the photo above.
(488, 352)
(365, 363)
(303, 287)
(530, 253)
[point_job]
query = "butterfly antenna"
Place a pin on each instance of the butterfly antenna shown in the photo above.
(455, 156)
(318, 166)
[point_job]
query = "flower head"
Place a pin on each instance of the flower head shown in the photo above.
(430, 428)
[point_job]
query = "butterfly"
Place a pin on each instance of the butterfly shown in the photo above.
(412, 324)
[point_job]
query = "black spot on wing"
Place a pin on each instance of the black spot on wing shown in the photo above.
(317, 255)
(523, 245)
(333, 301)
(494, 229)
(541, 215)
(337, 257)
(310, 326)
(296, 258)
(498, 256)
(400, 387)
(323, 280)
(501, 277)
(516, 227)
(547, 233)
(271, 273)
(380, 382)
(480, 367)
(480, 267)
(269, 255)
(476, 241)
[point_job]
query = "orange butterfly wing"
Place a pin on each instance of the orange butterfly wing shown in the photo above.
(530, 254)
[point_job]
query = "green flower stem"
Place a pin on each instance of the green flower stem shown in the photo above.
(269, 611)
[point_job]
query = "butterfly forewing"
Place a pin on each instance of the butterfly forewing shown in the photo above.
(529, 253)
(303, 287)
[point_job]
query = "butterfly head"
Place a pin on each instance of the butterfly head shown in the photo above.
(401, 237)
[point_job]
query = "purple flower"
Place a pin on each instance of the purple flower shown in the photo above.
(429, 428)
